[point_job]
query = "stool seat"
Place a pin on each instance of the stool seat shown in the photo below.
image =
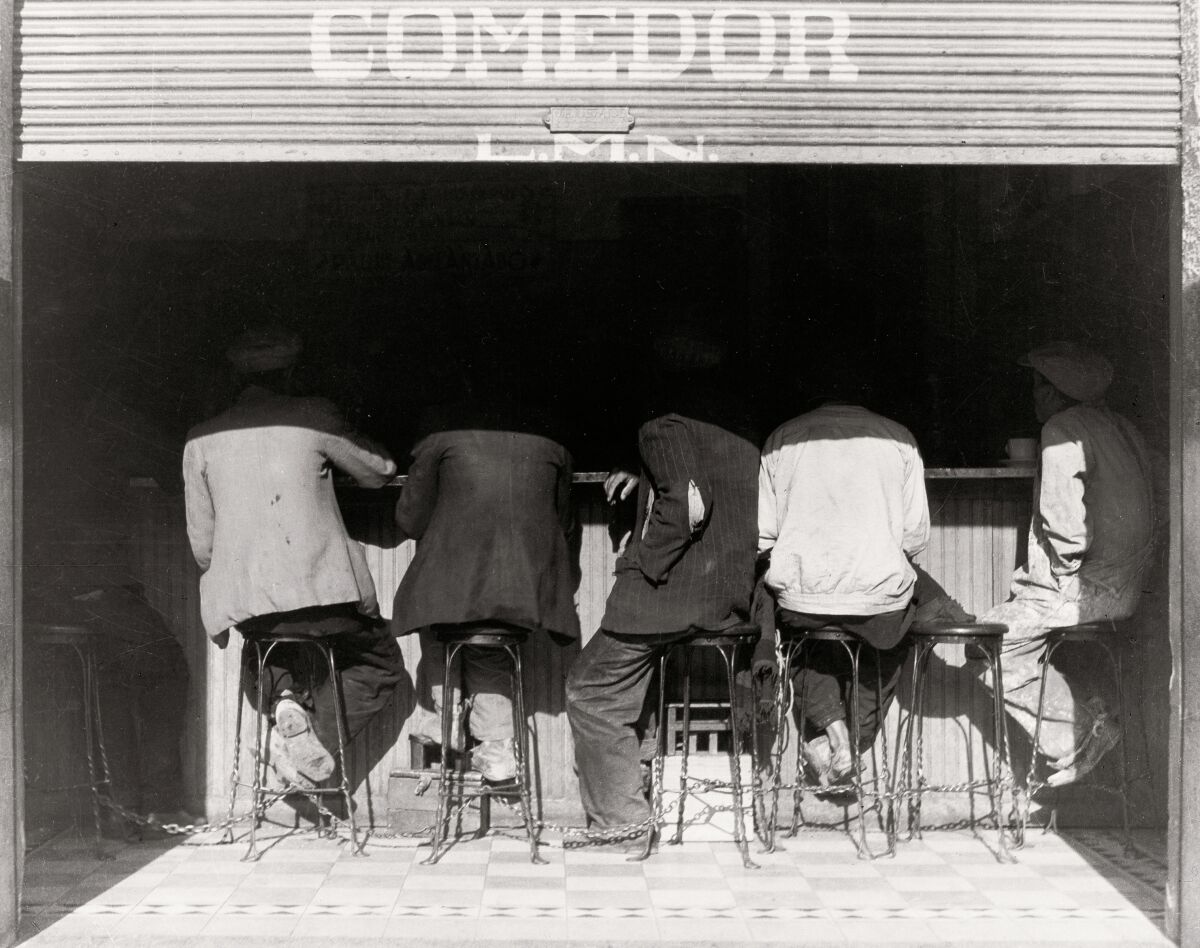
(492, 637)
(958, 628)
(828, 633)
(1085, 631)
(741, 634)
(53, 634)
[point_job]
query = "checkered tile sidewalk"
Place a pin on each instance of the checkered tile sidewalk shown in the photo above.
(946, 889)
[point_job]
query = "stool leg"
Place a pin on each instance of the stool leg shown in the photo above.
(798, 717)
(90, 705)
(882, 775)
(687, 741)
(235, 771)
(1032, 783)
(735, 756)
(521, 749)
(855, 653)
(917, 788)
(262, 724)
(449, 702)
(656, 766)
(1114, 661)
(783, 705)
(339, 715)
(756, 783)
(902, 784)
(997, 778)
(1115, 658)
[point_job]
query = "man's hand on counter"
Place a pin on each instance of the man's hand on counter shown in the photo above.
(619, 484)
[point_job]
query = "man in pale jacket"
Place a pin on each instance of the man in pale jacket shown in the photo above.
(841, 512)
(1090, 542)
(266, 530)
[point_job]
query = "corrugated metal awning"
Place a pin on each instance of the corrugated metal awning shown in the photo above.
(1049, 82)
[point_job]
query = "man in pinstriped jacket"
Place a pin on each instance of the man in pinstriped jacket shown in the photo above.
(689, 565)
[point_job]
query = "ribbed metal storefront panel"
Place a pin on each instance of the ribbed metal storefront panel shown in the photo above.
(838, 82)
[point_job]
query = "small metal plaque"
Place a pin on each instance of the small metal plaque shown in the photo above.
(589, 119)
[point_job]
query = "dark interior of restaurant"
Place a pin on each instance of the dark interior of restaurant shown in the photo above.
(401, 278)
(405, 281)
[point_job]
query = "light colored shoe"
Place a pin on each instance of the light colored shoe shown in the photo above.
(1104, 736)
(817, 759)
(297, 742)
(495, 760)
(285, 767)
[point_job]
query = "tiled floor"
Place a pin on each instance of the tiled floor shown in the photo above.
(944, 890)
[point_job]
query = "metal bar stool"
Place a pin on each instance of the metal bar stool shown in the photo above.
(510, 642)
(1101, 634)
(261, 798)
(791, 646)
(81, 640)
(989, 639)
(735, 646)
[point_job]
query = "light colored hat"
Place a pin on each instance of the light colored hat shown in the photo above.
(264, 349)
(1073, 369)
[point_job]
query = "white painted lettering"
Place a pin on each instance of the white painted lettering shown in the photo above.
(404, 68)
(572, 35)
(321, 46)
(641, 67)
(533, 68)
(840, 67)
(566, 144)
(745, 70)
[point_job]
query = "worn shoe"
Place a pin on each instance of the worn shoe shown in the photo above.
(294, 743)
(285, 767)
(818, 759)
(1104, 736)
(495, 760)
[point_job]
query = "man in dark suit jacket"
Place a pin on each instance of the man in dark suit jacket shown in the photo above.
(689, 565)
(488, 500)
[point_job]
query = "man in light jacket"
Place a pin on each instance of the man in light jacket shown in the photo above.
(842, 511)
(1090, 543)
(275, 558)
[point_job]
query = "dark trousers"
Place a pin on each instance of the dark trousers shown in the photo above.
(369, 664)
(143, 682)
(606, 695)
(824, 682)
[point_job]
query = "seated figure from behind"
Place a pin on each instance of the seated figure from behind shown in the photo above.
(841, 512)
(688, 566)
(488, 500)
(275, 558)
(1090, 543)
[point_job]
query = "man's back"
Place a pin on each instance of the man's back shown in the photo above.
(1096, 500)
(491, 511)
(842, 506)
(262, 517)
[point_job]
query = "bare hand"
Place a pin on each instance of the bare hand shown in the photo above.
(619, 484)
